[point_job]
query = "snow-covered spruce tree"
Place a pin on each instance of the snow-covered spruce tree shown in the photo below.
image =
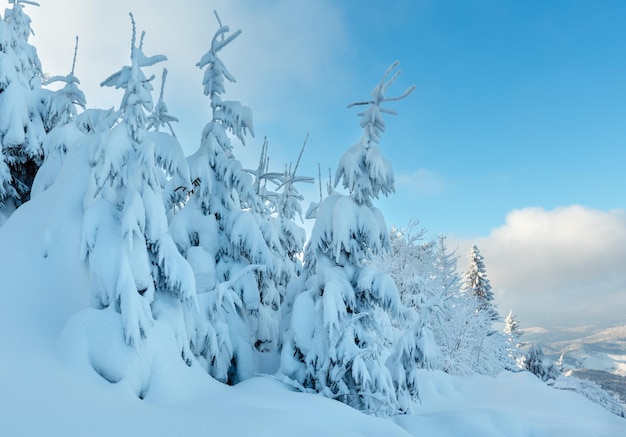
(60, 110)
(475, 283)
(219, 234)
(513, 333)
(21, 125)
(135, 267)
(288, 207)
(512, 328)
(291, 236)
(270, 222)
(540, 366)
(337, 343)
(491, 351)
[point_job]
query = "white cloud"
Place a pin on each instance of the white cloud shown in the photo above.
(564, 266)
(422, 181)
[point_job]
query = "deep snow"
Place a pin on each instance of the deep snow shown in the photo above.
(49, 384)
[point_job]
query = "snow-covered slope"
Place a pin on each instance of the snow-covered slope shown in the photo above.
(602, 350)
(513, 404)
(49, 383)
(591, 354)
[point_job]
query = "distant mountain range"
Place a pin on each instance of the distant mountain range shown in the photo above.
(597, 355)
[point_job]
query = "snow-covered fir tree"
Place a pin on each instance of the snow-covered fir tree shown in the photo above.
(21, 125)
(490, 346)
(219, 233)
(513, 333)
(292, 237)
(512, 328)
(338, 339)
(134, 265)
(277, 219)
(491, 354)
(60, 111)
(289, 208)
(476, 283)
(543, 368)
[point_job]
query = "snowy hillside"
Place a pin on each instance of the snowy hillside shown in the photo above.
(145, 292)
(49, 386)
(603, 350)
(595, 355)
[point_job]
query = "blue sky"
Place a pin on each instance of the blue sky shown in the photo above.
(519, 104)
(517, 122)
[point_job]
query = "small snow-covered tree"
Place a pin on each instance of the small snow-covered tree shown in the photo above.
(476, 283)
(491, 352)
(283, 237)
(288, 207)
(291, 235)
(337, 344)
(543, 368)
(60, 110)
(134, 265)
(513, 333)
(21, 124)
(512, 328)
